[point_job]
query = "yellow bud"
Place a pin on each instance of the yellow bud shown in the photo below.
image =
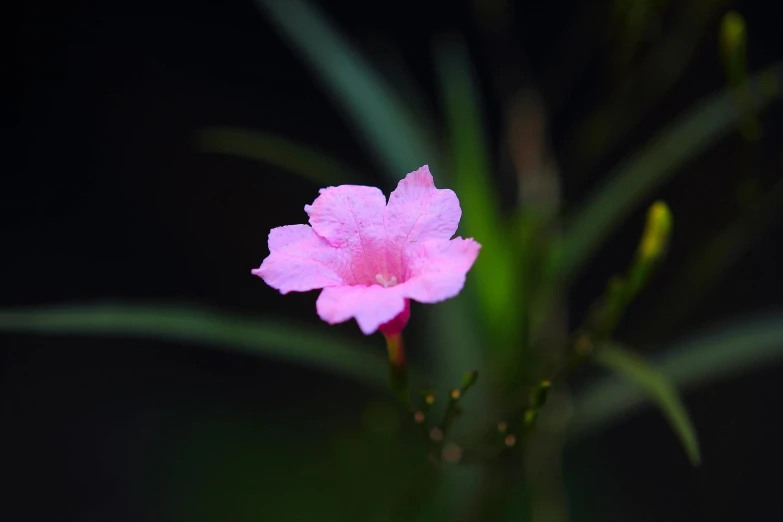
(733, 33)
(733, 48)
(539, 393)
(657, 231)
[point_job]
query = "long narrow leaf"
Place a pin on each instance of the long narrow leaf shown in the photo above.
(268, 338)
(658, 389)
(636, 178)
(382, 120)
(717, 354)
(471, 169)
(275, 150)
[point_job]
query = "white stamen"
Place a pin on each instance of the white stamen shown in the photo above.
(386, 283)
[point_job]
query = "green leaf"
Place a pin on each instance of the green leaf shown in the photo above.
(400, 141)
(719, 353)
(641, 174)
(471, 168)
(658, 388)
(278, 151)
(641, 88)
(271, 338)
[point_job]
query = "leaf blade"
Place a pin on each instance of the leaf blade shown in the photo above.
(272, 338)
(643, 172)
(306, 162)
(471, 170)
(716, 354)
(659, 390)
(401, 142)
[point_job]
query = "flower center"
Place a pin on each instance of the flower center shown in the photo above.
(386, 283)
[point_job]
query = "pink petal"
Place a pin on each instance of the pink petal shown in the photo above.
(418, 212)
(436, 269)
(350, 217)
(300, 260)
(371, 306)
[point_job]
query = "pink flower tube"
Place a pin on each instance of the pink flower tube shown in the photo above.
(371, 257)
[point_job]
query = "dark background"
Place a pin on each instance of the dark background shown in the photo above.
(105, 196)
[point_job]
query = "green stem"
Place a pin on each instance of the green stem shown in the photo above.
(398, 372)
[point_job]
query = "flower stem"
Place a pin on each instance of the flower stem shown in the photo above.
(398, 371)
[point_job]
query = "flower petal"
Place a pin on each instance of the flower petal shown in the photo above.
(371, 306)
(350, 217)
(301, 260)
(436, 269)
(418, 212)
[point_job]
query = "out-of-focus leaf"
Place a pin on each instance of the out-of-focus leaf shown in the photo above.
(280, 152)
(658, 388)
(268, 338)
(720, 353)
(642, 86)
(382, 120)
(471, 168)
(637, 177)
(388, 60)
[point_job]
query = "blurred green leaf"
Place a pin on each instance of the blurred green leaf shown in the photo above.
(637, 177)
(471, 167)
(640, 88)
(400, 140)
(658, 388)
(271, 338)
(278, 151)
(722, 352)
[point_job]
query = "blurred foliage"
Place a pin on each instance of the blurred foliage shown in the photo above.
(274, 150)
(272, 338)
(508, 323)
(494, 271)
(638, 176)
(719, 353)
(399, 139)
(658, 388)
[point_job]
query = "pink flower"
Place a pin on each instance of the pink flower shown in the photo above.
(371, 257)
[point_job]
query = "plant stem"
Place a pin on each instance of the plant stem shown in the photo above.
(398, 372)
